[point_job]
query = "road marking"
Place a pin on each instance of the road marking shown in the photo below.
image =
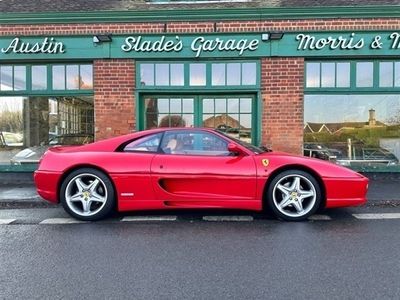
(319, 218)
(62, 221)
(148, 218)
(228, 218)
(381, 216)
(6, 221)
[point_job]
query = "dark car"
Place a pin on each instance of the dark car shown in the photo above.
(33, 154)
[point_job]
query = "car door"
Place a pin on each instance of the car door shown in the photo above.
(196, 165)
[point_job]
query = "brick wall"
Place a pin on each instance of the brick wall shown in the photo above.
(282, 78)
(282, 102)
(114, 98)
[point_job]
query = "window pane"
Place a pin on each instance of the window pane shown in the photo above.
(188, 105)
(397, 74)
(163, 105)
(197, 74)
(233, 105)
(386, 74)
(365, 72)
(39, 77)
(343, 75)
(146, 74)
(245, 105)
(208, 105)
(145, 144)
(249, 73)
(6, 78)
(357, 131)
(59, 77)
(86, 79)
(19, 78)
(175, 106)
(233, 74)
(327, 74)
(218, 74)
(73, 80)
(162, 74)
(177, 76)
(36, 123)
(220, 105)
(313, 75)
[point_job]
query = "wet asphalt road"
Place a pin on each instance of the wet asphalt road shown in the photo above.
(342, 258)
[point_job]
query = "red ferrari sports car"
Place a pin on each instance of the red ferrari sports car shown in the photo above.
(171, 168)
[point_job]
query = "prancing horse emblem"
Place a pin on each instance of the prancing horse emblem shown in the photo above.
(265, 162)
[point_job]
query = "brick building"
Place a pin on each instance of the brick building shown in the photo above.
(263, 71)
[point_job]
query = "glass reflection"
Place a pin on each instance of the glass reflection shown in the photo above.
(162, 74)
(29, 125)
(86, 79)
(39, 77)
(73, 80)
(58, 77)
(327, 74)
(365, 72)
(343, 75)
(168, 112)
(312, 74)
(232, 116)
(386, 74)
(19, 78)
(218, 74)
(233, 74)
(249, 73)
(358, 131)
(197, 74)
(6, 75)
(177, 76)
(147, 74)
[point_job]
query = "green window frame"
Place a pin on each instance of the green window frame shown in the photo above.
(170, 83)
(37, 79)
(356, 69)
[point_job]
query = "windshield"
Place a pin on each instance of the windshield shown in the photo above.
(252, 148)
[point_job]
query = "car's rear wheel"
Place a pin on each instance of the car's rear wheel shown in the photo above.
(87, 194)
(294, 195)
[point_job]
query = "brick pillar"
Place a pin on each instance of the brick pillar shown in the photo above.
(282, 82)
(114, 98)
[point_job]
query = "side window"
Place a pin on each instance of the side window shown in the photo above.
(148, 143)
(194, 143)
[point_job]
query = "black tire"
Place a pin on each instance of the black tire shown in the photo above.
(286, 198)
(84, 189)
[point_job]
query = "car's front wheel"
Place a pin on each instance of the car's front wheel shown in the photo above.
(87, 194)
(294, 195)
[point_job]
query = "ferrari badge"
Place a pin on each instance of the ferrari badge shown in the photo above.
(265, 162)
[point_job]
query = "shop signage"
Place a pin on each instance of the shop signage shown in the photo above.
(338, 44)
(50, 47)
(47, 45)
(198, 45)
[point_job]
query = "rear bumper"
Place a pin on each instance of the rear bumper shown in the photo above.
(47, 185)
(342, 192)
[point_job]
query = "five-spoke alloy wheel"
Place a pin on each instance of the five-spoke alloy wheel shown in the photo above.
(294, 195)
(87, 194)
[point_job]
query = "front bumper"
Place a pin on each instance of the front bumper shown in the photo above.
(342, 192)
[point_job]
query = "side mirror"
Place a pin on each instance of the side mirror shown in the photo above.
(233, 148)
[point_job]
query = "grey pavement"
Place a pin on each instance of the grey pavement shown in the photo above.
(20, 190)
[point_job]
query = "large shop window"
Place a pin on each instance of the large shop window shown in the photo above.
(219, 94)
(32, 120)
(352, 114)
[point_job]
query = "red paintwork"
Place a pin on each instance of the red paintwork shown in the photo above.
(162, 181)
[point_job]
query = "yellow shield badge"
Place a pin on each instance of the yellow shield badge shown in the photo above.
(265, 162)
